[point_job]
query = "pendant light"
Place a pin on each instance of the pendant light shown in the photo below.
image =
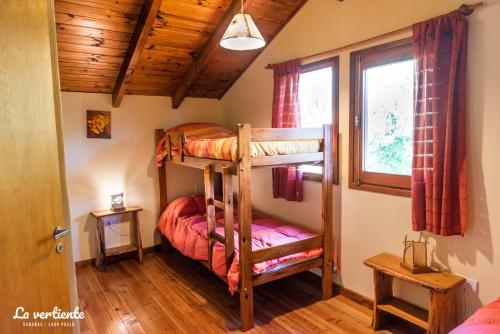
(242, 34)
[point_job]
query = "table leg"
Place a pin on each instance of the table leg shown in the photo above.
(383, 291)
(100, 253)
(445, 310)
(138, 236)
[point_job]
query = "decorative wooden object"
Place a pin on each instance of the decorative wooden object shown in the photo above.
(415, 256)
(135, 246)
(242, 168)
(446, 296)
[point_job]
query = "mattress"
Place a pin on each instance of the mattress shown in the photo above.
(184, 224)
(486, 320)
(212, 141)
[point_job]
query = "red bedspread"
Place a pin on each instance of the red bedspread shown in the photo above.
(486, 320)
(184, 224)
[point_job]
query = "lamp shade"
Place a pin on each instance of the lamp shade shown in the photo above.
(242, 34)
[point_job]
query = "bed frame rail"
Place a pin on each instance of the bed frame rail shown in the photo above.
(287, 271)
(286, 160)
(276, 134)
(276, 252)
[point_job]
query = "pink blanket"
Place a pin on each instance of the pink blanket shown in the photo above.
(486, 320)
(184, 224)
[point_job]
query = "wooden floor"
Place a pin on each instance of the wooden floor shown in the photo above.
(173, 294)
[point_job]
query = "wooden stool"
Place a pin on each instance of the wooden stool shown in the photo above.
(446, 292)
(135, 232)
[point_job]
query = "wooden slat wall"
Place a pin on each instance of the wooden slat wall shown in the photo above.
(93, 38)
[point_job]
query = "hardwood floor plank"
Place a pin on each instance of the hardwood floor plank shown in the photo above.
(139, 302)
(174, 294)
(113, 298)
(96, 308)
(180, 317)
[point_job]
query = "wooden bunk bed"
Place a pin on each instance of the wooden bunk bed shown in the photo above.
(242, 169)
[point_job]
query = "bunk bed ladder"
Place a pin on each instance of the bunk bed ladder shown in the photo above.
(227, 206)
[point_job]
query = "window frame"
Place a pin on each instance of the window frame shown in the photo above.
(332, 62)
(360, 60)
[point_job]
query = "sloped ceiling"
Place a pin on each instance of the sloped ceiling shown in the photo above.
(94, 38)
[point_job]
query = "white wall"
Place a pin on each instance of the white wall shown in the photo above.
(96, 168)
(372, 223)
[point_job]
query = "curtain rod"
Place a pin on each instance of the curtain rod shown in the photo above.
(464, 9)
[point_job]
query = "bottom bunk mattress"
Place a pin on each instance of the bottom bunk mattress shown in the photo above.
(486, 320)
(184, 224)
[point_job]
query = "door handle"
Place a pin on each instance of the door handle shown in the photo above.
(60, 232)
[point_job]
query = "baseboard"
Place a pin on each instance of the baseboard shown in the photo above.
(354, 296)
(149, 249)
(340, 290)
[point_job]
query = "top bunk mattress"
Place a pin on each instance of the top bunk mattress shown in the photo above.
(213, 141)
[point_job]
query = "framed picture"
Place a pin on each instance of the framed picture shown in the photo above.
(98, 124)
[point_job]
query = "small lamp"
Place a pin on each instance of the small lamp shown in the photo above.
(242, 34)
(415, 256)
(117, 202)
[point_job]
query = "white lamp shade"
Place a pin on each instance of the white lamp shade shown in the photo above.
(242, 34)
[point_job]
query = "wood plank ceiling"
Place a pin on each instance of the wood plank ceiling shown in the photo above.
(93, 38)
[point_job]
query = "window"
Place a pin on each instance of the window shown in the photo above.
(318, 95)
(381, 118)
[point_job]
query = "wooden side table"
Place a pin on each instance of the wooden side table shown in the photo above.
(135, 237)
(446, 296)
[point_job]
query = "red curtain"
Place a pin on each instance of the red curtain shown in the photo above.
(438, 181)
(287, 181)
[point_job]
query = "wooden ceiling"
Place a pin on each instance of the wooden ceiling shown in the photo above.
(157, 47)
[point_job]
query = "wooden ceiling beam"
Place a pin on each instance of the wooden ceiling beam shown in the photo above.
(141, 32)
(204, 57)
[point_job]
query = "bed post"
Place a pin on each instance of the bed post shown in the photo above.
(326, 211)
(245, 227)
(162, 176)
(209, 202)
(227, 193)
(162, 182)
